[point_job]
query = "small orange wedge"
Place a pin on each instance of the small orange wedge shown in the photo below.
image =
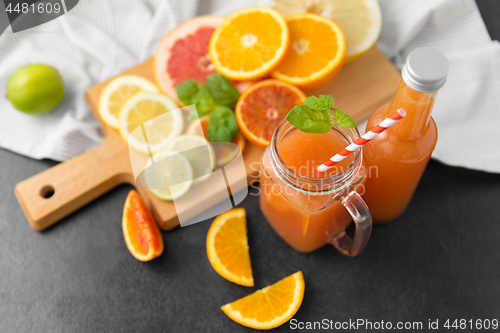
(262, 107)
(223, 153)
(316, 54)
(249, 43)
(199, 127)
(227, 247)
(142, 236)
(269, 307)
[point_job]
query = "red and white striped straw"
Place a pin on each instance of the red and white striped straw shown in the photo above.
(368, 136)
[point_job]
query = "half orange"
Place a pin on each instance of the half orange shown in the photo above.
(142, 236)
(263, 106)
(249, 43)
(316, 54)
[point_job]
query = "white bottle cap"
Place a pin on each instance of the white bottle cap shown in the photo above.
(425, 69)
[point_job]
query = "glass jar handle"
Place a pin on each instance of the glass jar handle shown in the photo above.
(363, 223)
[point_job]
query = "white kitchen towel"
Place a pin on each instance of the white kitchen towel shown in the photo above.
(467, 108)
(91, 43)
(99, 39)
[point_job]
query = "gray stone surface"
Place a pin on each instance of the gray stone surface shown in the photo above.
(440, 260)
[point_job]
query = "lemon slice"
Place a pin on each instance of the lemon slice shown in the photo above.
(150, 121)
(170, 176)
(199, 153)
(361, 20)
(117, 92)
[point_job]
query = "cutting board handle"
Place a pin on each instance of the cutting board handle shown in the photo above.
(56, 192)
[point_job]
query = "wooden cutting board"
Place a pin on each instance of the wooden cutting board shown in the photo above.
(46, 198)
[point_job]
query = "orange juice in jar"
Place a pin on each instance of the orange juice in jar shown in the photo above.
(309, 209)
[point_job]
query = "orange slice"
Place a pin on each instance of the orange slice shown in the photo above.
(361, 20)
(249, 43)
(223, 153)
(263, 106)
(199, 127)
(227, 247)
(316, 54)
(142, 236)
(269, 307)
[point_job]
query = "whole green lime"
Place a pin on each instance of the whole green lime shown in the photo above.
(35, 89)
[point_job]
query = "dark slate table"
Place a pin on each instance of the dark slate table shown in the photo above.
(439, 261)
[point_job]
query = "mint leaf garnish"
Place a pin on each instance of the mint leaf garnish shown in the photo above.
(343, 119)
(315, 103)
(222, 90)
(314, 115)
(222, 125)
(328, 100)
(193, 92)
(324, 102)
(309, 120)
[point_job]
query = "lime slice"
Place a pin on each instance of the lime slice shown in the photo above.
(170, 177)
(199, 153)
(150, 121)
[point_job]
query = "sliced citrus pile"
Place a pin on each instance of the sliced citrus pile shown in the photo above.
(269, 307)
(150, 121)
(227, 247)
(117, 92)
(199, 152)
(361, 20)
(223, 153)
(316, 54)
(170, 176)
(263, 106)
(249, 43)
(142, 236)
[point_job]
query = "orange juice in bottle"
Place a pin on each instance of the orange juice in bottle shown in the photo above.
(397, 158)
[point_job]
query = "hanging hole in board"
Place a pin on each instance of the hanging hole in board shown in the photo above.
(47, 191)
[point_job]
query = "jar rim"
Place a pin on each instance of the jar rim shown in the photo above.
(323, 185)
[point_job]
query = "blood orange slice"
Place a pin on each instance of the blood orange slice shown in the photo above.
(142, 236)
(183, 54)
(263, 106)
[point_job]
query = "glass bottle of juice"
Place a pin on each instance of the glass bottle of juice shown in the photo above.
(397, 158)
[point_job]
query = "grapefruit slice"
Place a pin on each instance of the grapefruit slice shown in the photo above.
(183, 54)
